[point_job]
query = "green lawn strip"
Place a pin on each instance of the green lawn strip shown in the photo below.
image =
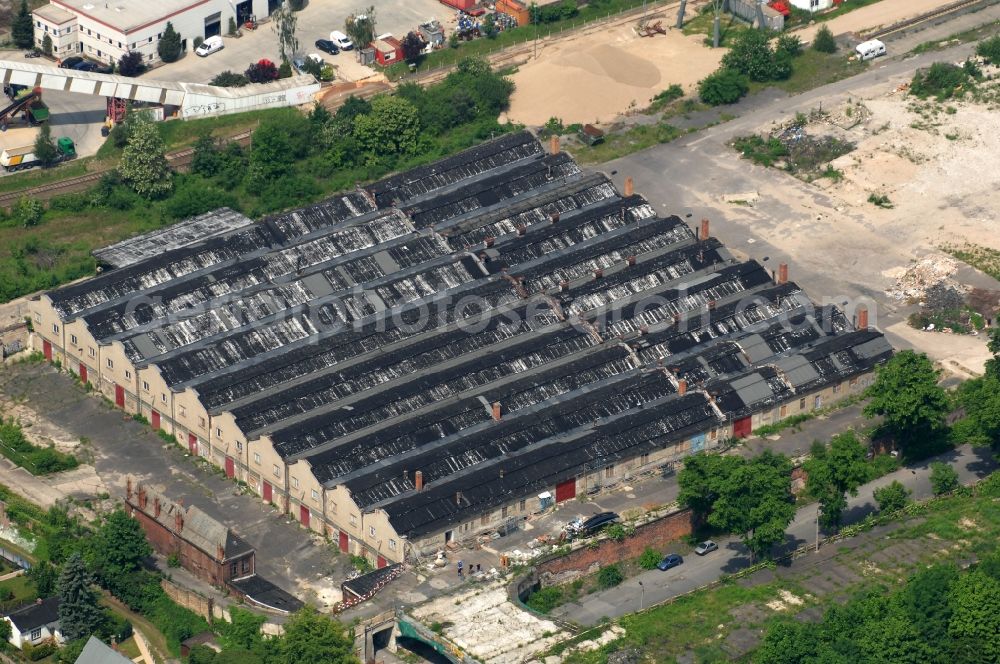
(154, 637)
(813, 69)
(36, 460)
(983, 259)
(16, 592)
(626, 142)
(974, 34)
(41, 176)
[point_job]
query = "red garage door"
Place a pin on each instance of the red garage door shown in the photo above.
(382, 562)
(156, 421)
(267, 492)
(47, 350)
(304, 515)
(230, 468)
(119, 396)
(193, 444)
(344, 541)
(741, 427)
(566, 490)
(83, 373)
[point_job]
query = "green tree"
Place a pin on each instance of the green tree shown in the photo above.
(311, 637)
(284, 24)
(993, 341)
(5, 630)
(238, 657)
(206, 160)
(724, 86)
(45, 577)
(130, 64)
(22, 30)
(79, 613)
(143, 164)
(700, 479)
(201, 654)
(360, 27)
(944, 478)
(824, 41)
(69, 653)
(610, 576)
(790, 44)
(833, 473)
(922, 600)
(755, 501)
(751, 55)
(413, 46)
(169, 46)
(392, 128)
(28, 211)
(47, 44)
(789, 642)
(892, 497)
(980, 400)
(650, 558)
(975, 606)
(907, 395)
(120, 544)
(45, 147)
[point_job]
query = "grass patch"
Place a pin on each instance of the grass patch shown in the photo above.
(813, 69)
(964, 37)
(36, 460)
(983, 259)
(620, 144)
(42, 176)
(703, 21)
(788, 423)
(15, 592)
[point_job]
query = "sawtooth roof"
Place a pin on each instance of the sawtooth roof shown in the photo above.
(370, 334)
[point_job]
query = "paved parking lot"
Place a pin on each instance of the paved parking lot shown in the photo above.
(315, 21)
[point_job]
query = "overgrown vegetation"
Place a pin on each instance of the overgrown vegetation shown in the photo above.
(750, 58)
(295, 160)
(36, 460)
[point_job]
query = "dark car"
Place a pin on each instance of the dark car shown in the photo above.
(327, 46)
(86, 65)
(670, 560)
(598, 521)
(71, 61)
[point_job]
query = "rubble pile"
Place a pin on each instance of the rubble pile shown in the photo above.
(913, 284)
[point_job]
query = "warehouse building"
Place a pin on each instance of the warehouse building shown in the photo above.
(107, 30)
(453, 348)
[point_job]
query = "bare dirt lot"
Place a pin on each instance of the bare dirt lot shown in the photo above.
(597, 76)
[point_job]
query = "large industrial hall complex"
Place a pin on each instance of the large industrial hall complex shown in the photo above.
(451, 349)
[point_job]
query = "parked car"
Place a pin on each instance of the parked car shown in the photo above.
(209, 46)
(598, 521)
(342, 41)
(71, 62)
(707, 546)
(327, 46)
(87, 65)
(870, 49)
(33, 54)
(670, 560)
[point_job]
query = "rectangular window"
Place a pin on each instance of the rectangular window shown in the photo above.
(371, 531)
(295, 483)
(277, 471)
(802, 403)
(836, 388)
(643, 459)
(609, 471)
(128, 374)
(522, 505)
(392, 545)
(233, 569)
(218, 432)
(817, 401)
(111, 364)
(201, 422)
(239, 446)
(72, 339)
(503, 512)
(183, 411)
(783, 411)
(93, 352)
(315, 495)
(163, 398)
(36, 633)
(483, 520)
(55, 328)
(246, 565)
(256, 458)
(145, 388)
(354, 519)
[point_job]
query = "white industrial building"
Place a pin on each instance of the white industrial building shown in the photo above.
(105, 31)
(813, 5)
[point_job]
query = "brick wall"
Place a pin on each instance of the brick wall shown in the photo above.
(655, 534)
(167, 542)
(189, 599)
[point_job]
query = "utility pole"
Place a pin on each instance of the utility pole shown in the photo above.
(642, 595)
(817, 527)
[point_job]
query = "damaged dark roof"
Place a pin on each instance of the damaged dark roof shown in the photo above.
(370, 334)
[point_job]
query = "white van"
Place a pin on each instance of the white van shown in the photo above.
(872, 48)
(209, 46)
(342, 41)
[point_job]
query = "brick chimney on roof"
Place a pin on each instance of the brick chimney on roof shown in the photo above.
(178, 521)
(783, 273)
(554, 145)
(704, 230)
(598, 273)
(862, 318)
(156, 508)
(142, 498)
(418, 480)
(220, 553)
(496, 411)
(554, 217)
(631, 261)
(682, 387)
(629, 186)
(128, 488)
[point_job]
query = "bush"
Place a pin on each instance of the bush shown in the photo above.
(723, 86)
(41, 651)
(790, 44)
(229, 79)
(130, 64)
(169, 46)
(824, 41)
(28, 211)
(989, 49)
(751, 55)
(610, 576)
(265, 71)
(892, 497)
(194, 196)
(70, 202)
(944, 479)
(649, 559)
(545, 599)
(942, 80)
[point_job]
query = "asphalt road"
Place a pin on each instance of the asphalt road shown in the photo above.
(655, 586)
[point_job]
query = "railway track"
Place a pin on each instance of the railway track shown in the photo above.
(179, 160)
(923, 18)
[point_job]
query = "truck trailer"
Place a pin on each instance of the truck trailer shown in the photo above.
(21, 158)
